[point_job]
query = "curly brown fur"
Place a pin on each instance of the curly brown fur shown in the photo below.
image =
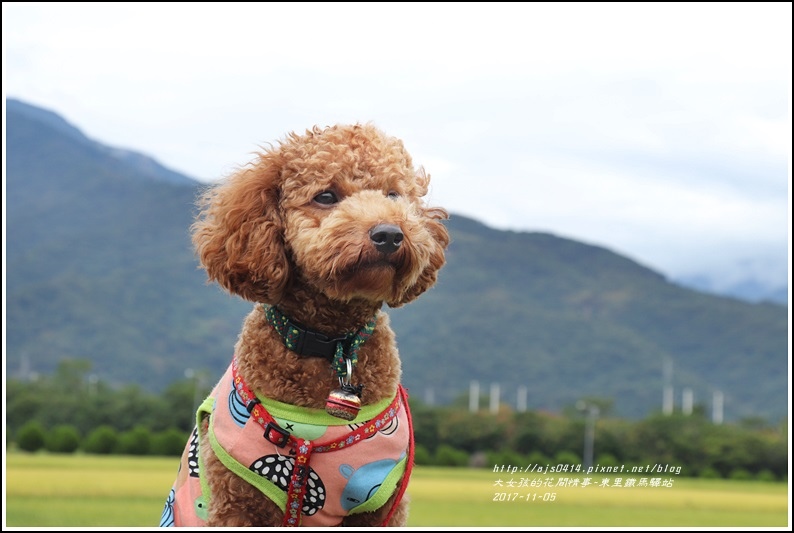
(292, 229)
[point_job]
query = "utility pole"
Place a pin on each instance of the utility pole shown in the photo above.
(430, 397)
(667, 395)
(687, 401)
(474, 396)
(591, 415)
(495, 398)
(521, 399)
(716, 408)
(195, 378)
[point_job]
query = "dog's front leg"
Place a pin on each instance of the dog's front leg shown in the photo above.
(234, 502)
(400, 516)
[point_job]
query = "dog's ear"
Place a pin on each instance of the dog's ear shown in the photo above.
(422, 181)
(433, 217)
(238, 233)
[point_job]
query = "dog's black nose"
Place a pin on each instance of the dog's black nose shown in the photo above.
(386, 237)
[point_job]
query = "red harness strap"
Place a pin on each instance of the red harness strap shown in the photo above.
(304, 448)
(410, 464)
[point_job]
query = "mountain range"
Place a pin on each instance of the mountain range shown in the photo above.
(99, 266)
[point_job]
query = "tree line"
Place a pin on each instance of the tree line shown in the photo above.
(71, 411)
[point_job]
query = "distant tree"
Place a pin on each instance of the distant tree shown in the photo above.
(507, 458)
(134, 407)
(102, 440)
(537, 458)
(740, 474)
(63, 439)
(425, 424)
(136, 441)
(170, 442)
(71, 373)
(528, 433)
(765, 475)
(31, 436)
(180, 397)
(567, 458)
(562, 434)
(474, 432)
(446, 455)
(23, 403)
(607, 459)
(422, 456)
(709, 473)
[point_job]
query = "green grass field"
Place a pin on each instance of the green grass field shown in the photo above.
(47, 490)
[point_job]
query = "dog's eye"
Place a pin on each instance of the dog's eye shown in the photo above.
(326, 198)
(392, 195)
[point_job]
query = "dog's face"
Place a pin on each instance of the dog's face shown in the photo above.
(337, 208)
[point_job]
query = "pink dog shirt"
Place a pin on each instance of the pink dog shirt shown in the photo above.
(350, 467)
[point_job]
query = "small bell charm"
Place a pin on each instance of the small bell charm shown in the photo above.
(344, 402)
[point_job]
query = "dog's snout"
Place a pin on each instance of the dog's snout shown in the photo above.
(387, 238)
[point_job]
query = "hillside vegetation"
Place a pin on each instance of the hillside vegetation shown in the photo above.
(99, 267)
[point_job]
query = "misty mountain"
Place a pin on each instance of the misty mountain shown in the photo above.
(99, 266)
(749, 290)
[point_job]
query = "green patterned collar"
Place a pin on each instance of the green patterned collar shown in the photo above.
(308, 343)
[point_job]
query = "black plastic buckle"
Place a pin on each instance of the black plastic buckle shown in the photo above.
(313, 344)
(276, 435)
(251, 404)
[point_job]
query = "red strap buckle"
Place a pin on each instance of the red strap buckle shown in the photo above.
(276, 435)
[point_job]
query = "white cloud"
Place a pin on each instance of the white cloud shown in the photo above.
(657, 130)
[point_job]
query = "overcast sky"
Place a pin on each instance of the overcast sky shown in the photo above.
(659, 131)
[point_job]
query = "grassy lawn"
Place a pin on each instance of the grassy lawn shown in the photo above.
(48, 490)
(465, 497)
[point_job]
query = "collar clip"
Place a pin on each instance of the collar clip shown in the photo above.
(313, 344)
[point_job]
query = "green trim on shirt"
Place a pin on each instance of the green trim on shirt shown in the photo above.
(318, 417)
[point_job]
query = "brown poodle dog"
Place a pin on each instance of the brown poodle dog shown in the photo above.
(310, 425)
